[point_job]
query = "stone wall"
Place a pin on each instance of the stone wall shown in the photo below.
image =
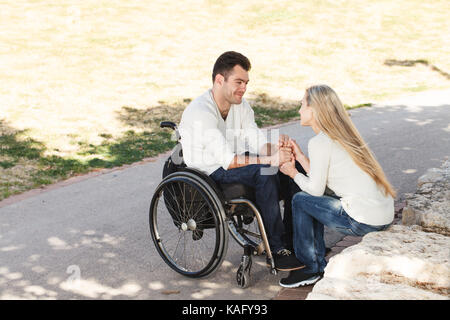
(429, 206)
(407, 261)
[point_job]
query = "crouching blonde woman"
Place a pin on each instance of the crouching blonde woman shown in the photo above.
(340, 160)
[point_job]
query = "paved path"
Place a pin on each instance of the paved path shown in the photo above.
(96, 230)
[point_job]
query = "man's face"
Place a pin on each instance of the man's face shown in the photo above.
(234, 87)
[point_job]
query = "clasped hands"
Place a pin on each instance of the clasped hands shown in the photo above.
(287, 152)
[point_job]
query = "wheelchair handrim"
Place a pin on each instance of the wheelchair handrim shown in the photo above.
(220, 232)
(219, 210)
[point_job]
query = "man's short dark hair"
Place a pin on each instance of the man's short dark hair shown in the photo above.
(227, 61)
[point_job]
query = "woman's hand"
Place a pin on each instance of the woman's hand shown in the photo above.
(298, 153)
(288, 168)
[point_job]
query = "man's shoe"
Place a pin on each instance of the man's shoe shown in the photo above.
(285, 260)
(298, 278)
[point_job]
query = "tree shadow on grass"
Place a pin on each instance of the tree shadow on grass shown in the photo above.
(12, 149)
(145, 138)
(268, 111)
(149, 118)
(273, 110)
(412, 63)
(24, 165)
(129, 148)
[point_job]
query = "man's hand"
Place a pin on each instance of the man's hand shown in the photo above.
(288, 168)
(270, 149)
(283, 141)
(283, 155)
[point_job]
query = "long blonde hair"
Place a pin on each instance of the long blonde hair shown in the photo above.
(334, 121)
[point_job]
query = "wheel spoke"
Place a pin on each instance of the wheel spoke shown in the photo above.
(189, 237)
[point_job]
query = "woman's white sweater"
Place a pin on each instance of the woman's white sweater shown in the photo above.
(332, 166)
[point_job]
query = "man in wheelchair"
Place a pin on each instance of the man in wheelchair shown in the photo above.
(219, 137)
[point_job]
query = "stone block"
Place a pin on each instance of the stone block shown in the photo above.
(399, 263)
(429, 206)
(368, 288)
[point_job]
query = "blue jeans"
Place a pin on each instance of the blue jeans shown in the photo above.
(309, 215)
(267, 197)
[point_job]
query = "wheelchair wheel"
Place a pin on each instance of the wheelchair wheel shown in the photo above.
(187, 225)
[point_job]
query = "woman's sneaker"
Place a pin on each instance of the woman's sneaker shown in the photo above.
(298, 278)
(285, 260)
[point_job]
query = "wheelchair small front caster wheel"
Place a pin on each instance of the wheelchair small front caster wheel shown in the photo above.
(243, 277)
(243, 273)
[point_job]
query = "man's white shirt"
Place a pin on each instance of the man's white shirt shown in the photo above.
(210, 142)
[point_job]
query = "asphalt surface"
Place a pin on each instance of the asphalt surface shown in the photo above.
(91, 240)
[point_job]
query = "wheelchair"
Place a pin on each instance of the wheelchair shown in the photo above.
(191, 217)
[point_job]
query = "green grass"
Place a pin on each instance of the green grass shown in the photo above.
(269, 111)
(24, 164)
(47, 169)
(267, 116)
(129, 148)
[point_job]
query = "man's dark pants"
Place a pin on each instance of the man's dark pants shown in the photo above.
(270, 186)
